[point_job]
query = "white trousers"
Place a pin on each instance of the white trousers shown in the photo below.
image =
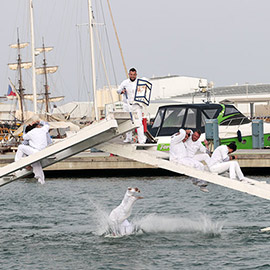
(231, 166)
(26, 150)
(126, 228)
(138, 109)
(203, 157)
(191, 162)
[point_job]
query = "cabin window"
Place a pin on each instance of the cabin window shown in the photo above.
(174, 117)
(191, 118)
(210, 113)
(230, 110)
(158, 119)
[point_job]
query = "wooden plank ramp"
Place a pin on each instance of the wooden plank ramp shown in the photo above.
(152, 157)
(90, 136)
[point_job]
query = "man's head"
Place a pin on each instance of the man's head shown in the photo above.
(232, 147)
(28, 128)
(196, 135)
(132, 74)
(186, 137)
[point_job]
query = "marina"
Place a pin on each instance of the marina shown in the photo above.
(177, 120)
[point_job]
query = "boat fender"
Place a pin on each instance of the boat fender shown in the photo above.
(239, 136)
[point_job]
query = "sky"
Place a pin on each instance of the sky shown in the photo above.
(224, 41)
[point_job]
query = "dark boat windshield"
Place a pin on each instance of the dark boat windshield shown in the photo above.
(170, 119)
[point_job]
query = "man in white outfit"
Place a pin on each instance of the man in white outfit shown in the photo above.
(221, 162)
(195, 148)
(127, 88)
(118, 217)
(34, 140)
(179, 155)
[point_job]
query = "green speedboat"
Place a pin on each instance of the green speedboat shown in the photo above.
(233, 125)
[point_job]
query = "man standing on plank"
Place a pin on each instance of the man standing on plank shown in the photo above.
(127, 88)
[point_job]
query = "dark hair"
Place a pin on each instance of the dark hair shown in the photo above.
(30, 127)
(232, 146)
(132, 70)
(35, 125)
(198, 131)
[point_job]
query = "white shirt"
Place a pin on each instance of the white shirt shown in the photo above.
(37, 137)
(219, 155)
(177, 147)
(130, 87)
(194, 147)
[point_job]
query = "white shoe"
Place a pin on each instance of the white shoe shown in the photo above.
(42, 182)
(127, 141)
(204, 189)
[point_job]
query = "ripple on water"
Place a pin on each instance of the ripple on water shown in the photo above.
(60, 226)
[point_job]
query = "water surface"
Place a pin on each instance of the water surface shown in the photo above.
(60, 226)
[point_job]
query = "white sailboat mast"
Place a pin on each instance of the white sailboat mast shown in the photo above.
(33, 56)
(91, 25)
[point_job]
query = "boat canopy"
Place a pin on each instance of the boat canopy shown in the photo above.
(169, 119)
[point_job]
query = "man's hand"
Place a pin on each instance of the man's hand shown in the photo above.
(206, 143)
(140, 197)
(124, 91)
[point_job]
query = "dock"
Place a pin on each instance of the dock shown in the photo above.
(248, 159)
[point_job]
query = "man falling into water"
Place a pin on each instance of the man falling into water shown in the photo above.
(118, 217)
(127, 88)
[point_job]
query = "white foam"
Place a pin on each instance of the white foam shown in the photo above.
(167, 224)
(154, 223)
(101, 219)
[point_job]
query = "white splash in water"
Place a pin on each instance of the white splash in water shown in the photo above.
(101, 219)
(103, 224)
(154, 223)
(165, 224)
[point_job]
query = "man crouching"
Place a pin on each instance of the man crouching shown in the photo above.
(118, 217)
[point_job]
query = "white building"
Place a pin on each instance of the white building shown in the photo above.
(175, 85)
(252, 100)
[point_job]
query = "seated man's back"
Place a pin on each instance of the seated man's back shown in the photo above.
(37, 137)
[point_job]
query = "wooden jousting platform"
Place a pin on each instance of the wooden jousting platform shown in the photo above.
(90, 136)
(150, 157)
(100, 135)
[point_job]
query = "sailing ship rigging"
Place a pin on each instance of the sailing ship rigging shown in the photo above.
(45, 70)
(18, 66)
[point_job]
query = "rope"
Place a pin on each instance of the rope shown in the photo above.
(118, 41)
(109, 46)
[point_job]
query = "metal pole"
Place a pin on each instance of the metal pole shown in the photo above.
(33, 57)
(90, 14)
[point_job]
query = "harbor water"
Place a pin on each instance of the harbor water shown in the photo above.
(62, 225)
